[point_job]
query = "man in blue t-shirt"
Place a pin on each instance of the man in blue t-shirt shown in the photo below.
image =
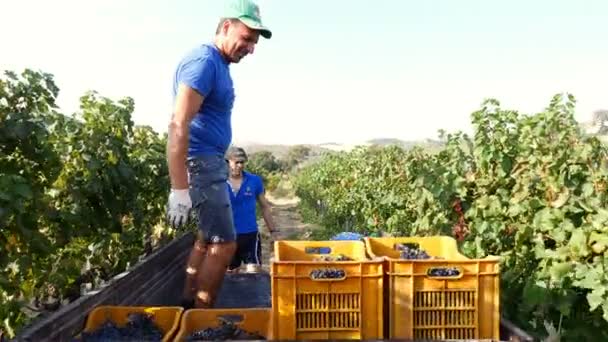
(199, 135)
(247, 189)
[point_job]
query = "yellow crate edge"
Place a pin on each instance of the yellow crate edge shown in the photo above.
(181, 334)
(168, 335)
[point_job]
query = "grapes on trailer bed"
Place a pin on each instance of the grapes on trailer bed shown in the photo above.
(139, 327)
(226, 331)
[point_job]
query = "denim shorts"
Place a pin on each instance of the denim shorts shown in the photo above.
(208, 177)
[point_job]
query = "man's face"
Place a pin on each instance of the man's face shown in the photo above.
(239, 40)
(236, 166)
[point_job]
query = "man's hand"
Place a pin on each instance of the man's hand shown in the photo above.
(179, 207)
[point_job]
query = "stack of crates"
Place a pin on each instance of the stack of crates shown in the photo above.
(426, 302)
(346, 305)
(329, 290)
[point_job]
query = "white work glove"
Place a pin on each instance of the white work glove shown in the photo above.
(178, 210)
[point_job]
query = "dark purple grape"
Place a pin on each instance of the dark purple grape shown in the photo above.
(139, 327)
(226, 331)
(409, 253)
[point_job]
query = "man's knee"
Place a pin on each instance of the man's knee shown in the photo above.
(200, 246)
(224, 251)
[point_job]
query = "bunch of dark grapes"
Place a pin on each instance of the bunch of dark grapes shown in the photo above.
(444, 272)
(139, 327)
(226, 331)
(327, 273)
(411, 253)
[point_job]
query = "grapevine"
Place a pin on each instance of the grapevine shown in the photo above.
(528, 188)
(82, 196)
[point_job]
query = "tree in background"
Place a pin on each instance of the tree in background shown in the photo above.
(600, 121)
(267, 166)
(264, 160)
(296, 155)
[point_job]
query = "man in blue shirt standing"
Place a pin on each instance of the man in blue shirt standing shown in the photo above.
(199, 134)
(246, 190)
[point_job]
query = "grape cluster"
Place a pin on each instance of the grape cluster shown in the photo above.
(226, 331)
(444, 272)
(409, 252)
(331, 258)
(139, 327)
(327, 273)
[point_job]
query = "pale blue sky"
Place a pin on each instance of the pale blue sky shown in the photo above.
(344, 70)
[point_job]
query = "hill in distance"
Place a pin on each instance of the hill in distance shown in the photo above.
(280, 150)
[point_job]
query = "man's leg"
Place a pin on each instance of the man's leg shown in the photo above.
(193, 265)
(239, 256)
(259, 250)
(252, 250)
(215, 264)
(216, 224)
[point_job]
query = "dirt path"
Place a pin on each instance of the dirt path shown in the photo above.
(288, 222)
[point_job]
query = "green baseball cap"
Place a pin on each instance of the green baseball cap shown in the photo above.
(248, 12)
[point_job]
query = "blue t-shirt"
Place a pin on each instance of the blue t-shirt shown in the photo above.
(205, 70)
(244, 203)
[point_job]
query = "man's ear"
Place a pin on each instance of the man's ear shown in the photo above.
(226, 26)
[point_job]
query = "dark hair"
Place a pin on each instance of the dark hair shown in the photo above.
(236, 152)
(219, 25)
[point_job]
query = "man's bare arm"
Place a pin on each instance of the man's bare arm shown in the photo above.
(266, 212)
(187, 104)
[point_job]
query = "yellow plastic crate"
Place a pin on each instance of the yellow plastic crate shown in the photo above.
(465, 306)
(166, 317)
(346, 308)
(254, 320)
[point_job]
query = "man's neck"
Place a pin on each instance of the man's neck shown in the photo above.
(218, 44)
(236, 177)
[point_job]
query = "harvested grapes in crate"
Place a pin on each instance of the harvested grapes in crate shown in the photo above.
(411, 251)
(139, 327)
(226, 331)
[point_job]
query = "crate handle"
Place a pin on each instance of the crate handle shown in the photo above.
(342, 271)
(454, 272)
(228, 318)
(317, 250)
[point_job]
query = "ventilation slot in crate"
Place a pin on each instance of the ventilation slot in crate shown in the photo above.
(445, 314)
(322, 311)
